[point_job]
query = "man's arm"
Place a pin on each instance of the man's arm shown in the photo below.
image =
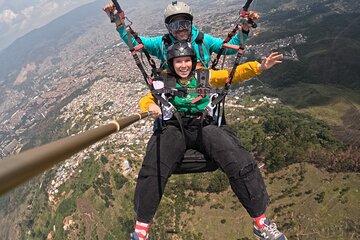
(215, 44)
(152, 44)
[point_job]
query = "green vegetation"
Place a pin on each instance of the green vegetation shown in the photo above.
(104, 159)
(331, 53)
(4, 201)
(120, 180)
(66, 208)
(218, 182)
(310, 196)
(89, 173)
(281, 136)
(325, 102)
(320, 89)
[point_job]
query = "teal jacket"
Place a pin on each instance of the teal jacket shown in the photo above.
(156, 47)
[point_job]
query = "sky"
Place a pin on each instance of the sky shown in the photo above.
(18, 17)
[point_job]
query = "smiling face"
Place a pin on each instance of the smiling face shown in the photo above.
(180, 27)
(182, 34)
(182, 66)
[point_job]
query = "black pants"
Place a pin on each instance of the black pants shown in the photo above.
(165, 150)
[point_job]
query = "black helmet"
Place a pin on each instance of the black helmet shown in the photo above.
(180, 49)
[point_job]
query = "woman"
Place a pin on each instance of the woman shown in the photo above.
(196, 130)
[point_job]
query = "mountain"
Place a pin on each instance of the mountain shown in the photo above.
(47, 40)
(331, 54)
(80, 75)
(51, 38)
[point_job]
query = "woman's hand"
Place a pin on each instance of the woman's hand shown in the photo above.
(270, 61)
(154, 110)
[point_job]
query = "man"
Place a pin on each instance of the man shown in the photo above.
(179, 23)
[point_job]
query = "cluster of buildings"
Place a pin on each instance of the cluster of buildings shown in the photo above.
(107, 99)
(102, 87)
(63, 173)
(284, 45)
(24, 109)
(235, 97)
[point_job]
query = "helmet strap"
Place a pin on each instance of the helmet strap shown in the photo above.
(190, 35)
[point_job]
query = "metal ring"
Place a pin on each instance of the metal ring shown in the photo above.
(117, 125)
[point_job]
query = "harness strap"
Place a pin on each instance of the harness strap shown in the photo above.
(171, 108)
(199, 41)
(144, 50)
(166, 39)
(230, 35)
(182, 92)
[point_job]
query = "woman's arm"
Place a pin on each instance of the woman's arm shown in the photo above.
(147, 103)
(244, 71)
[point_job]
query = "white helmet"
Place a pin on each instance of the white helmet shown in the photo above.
(176, 8)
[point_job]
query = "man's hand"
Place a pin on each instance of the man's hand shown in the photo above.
(112, 13)
(109, 8)
(270, 61)
(250, 19)
(254, 16)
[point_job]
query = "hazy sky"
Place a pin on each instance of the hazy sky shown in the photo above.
(18, 17)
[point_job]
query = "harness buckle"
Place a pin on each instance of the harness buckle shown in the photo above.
(210, 107)
(170, 108)
(202, 91)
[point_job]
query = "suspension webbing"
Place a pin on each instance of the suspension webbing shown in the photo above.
(220, 98)
(232, 33)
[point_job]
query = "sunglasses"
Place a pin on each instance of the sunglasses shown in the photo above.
(178, 25)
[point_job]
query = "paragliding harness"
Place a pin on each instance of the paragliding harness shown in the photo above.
(193, 161)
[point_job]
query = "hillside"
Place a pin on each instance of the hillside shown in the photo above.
(301, 196)
(331, 52)
(325, 82)
(98, 198)
(74, 74)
